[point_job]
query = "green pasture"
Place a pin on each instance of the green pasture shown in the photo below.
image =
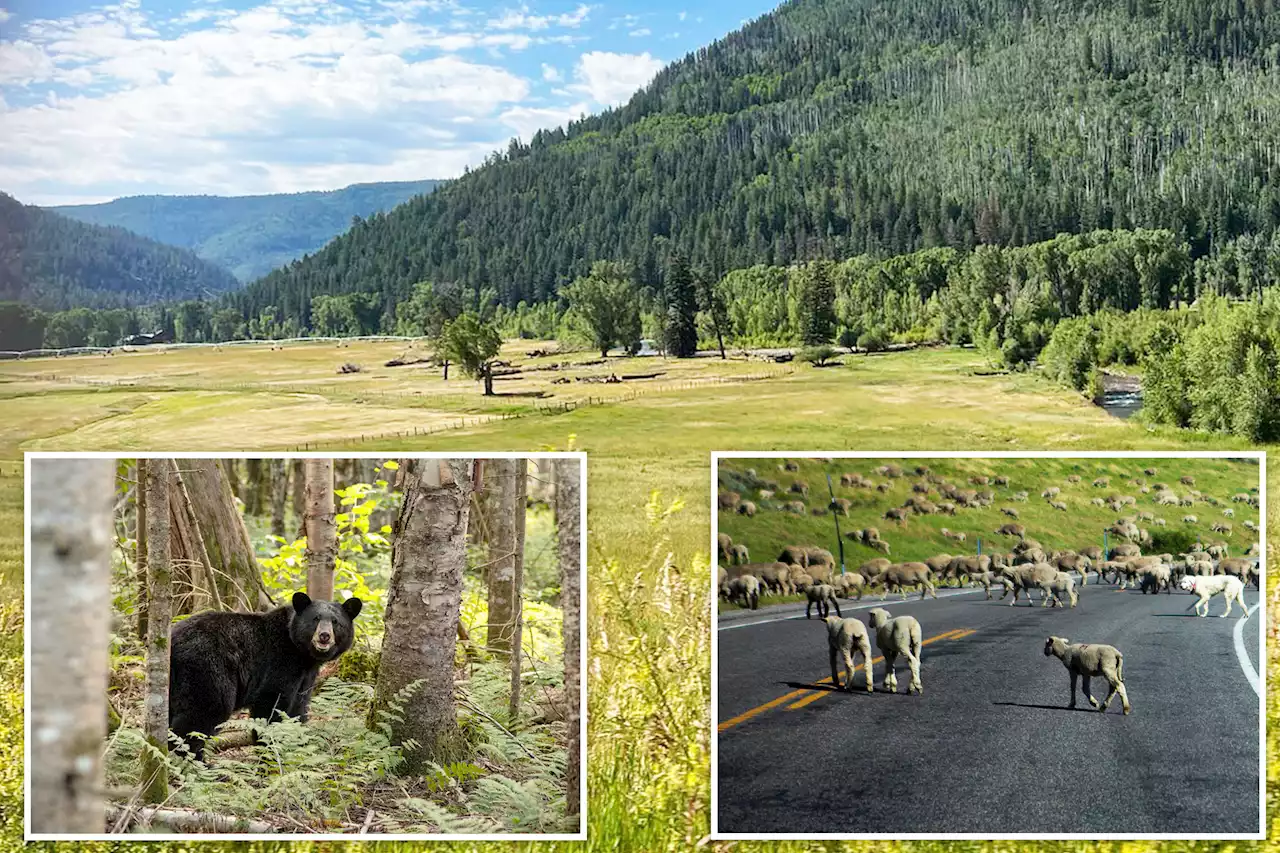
(649, 606)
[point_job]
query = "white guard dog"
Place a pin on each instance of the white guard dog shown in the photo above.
(1208, 586)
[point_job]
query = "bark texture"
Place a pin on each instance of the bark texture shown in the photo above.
(503, 553)
(321, 529)
(518, 505)
(428, 558)
(569, 536)
(71, 540)
(226, 541)
(155, 774)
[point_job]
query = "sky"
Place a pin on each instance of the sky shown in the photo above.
(189, 97)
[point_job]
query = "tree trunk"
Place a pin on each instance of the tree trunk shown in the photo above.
(428, 557)
(520, 488)
(542, 481)
(569, 532)
(155, 771)
(140, 549)
(231, 468)
(253, 490)
(194, 583)
(231, 557)
(720, 340)
(279, 494)
(487, 373)
(71, 540)
(298, 490)
(446, 370)
(321, 529)
(501, 563)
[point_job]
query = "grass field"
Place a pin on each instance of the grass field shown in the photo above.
(649, 614)
(920, 537)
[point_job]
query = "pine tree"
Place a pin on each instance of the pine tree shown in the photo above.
(680, 331)
(815, 303)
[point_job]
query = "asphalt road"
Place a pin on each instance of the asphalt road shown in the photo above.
(991, 746)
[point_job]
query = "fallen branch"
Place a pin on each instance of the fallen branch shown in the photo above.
(185, 821)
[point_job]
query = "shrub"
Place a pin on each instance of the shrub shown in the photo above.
(817, 356)
(873, 340)
(847, 338)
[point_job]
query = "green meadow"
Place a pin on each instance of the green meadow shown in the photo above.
(650, 485)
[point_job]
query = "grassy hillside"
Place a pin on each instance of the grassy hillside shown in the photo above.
(249, 235)
(54, 262)
(1081, 524)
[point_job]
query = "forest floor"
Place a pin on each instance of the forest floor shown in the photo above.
(649, 609)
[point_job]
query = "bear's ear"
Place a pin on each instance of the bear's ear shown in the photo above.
(353, 606)
(301, 601)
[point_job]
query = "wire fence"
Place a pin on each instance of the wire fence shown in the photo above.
(11, 355)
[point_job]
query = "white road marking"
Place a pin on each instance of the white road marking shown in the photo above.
(1243, 654)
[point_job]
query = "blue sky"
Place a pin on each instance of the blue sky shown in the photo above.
(258, 96)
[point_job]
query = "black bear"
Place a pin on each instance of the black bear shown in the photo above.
(267, 662)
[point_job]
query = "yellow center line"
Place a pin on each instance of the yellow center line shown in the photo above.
(798, 694)
(818, 694)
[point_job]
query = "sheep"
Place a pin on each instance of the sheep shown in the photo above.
(901, 575)
(794, 507)
(747, 508)
(1073, 478)
(823, 595)
(1126, 549)
(845, 637)
(1239, 567)
(820, 572)
(799, 488)
(1063, 582)
(964, 568)
(1087, 660)
(947, 508)
(1020, 496)
(1229, 512)
(1206, 588)
(896, 514)
(954, 534)
(745, 589)
(849, 583)
(797, 554)
(920, 488)
(725, 544)
(851, 480)
(898, 636)
(1187, 480)
(1189, 519)
(1001, 481)
(1150, 472)
(1093, 552)
(729, 500)
(1038, 575)
(722, 582)
(1051, 492)
(1012, 530)
(1250, 526)
(1102, 482)
(1221, 527)
(922, 471)
(1074, 563)
(1160, 522)
(979, 481)
(818, 510)
(773, 577)
(1240, 497)
(841, 506)
(873, 569)
(889, 471)
(1098, 502)
(788, 465)
(1058, 505)
(1156, 577)
(766, 494)
(1010, 511)
(818, 555)
(800, 579)
(1146, 516)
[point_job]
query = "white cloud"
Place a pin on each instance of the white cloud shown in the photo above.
(550, 73)
(5, 15)
(611, 78)
(682, 15)
(520, 19)
(526, 121)
(289, 95)
(641, 33)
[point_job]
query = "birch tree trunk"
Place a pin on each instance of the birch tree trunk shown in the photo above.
(519, 488)
(71, 533)
(569, 533)
(501, 565)
(321, 529)
(428, 557)
(140, 549)
(298, 493)
(155, 772)
(279, 479)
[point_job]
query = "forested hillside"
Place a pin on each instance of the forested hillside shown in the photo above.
(838, 127)
(52, 262)
(249, 235)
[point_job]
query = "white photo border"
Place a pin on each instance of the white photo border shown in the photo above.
(580, 835)
(890, 455)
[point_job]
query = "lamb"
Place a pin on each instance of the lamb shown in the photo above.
(739, 554)
(1088, 660)
(773, 577)
(747, 508)
(1227, 586)
(954, 534)
(1064, 583)
(901, 575)
(823, 595)
(843, 637)
(745, 589)
(1074, 563)
(898, 636)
